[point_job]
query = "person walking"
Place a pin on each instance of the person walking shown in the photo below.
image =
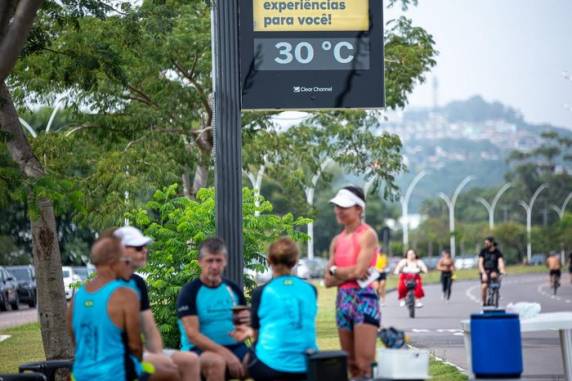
(352, 254)
(447, 267)
(381, 264)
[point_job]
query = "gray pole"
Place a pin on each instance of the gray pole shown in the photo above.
(405, 208)
(491, 207)
(227, 139)
(528, 208)
(451, 205)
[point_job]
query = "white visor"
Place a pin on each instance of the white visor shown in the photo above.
(346, 199)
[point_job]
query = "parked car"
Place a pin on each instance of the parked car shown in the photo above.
(431, 262)
(70, 277)
(81, 271)
(466, 262)
(26, 278)
(537, 260)
(8, 291)
(311, 268)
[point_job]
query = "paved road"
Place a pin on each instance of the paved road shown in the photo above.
(437, 327)
(12, 318)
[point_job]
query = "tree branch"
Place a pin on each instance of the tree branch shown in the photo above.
(144, 96)
(13, 41)
(202, 94)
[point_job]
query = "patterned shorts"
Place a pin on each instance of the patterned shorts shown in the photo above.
(357, 306)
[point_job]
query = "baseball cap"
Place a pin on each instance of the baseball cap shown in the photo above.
(131, 236)
(346, 198)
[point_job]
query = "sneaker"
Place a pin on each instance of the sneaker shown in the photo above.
(418, 305)
(402, 303)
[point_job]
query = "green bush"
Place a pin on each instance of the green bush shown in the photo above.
(178, 225)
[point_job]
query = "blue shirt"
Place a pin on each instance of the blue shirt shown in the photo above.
(213, 308)
(284, 313)
(100, 353)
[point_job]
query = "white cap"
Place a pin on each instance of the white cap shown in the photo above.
(131, 236)
(346, 199)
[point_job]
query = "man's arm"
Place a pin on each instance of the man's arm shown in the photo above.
(368, 244)
(69, 315)
(130, 306)
(153, 340)
(482, 265)
(501, 265)
(192, 329)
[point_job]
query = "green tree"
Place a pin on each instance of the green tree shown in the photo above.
(179, 225)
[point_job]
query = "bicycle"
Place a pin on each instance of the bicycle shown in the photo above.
(493, 291)
(410, 284)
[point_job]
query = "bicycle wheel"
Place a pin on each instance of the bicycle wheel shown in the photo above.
(411, 304)
(496, 297)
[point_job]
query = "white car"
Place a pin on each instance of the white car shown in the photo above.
(70, 277)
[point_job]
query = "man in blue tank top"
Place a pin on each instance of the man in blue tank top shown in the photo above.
(204, 309)
(103, 320)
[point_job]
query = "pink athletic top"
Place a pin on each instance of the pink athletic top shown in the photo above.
(346, 251)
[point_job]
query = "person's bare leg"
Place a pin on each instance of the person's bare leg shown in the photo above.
(347, 344)
(365, 336)
(213, 366)
(484, 293)
(165, 369)
(188, 365)
(381, 290)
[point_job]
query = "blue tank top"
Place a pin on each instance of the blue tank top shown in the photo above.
(284, 313)
(101, 352)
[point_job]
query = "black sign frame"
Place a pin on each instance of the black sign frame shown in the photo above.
(334, 89)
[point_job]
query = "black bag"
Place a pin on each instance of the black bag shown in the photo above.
(391, 337)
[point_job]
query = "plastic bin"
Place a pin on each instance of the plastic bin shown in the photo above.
(390, 364)
(496, 345)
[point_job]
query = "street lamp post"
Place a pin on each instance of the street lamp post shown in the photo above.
(491, 207)
(256, 181)
(560, 211)
(528, 209)
(451, 205)
(309, 191)
(405, 207)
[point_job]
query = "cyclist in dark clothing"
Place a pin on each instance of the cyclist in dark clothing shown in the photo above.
(491, 264)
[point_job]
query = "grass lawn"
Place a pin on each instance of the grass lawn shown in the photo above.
(25, 343)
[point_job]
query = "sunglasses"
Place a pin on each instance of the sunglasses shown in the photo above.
(126, 260)
(137, 248)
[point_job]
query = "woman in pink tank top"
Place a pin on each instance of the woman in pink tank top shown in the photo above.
(352, 256)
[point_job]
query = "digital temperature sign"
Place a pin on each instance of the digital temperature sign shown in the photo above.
(311, 54)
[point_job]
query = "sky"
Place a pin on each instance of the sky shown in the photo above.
(512, 51)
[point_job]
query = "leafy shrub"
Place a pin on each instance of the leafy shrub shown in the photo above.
(178, 225)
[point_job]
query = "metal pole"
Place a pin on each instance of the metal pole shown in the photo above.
(405, 208)
(491, 207)
(228, 142)
(451, 205)
(528, 208)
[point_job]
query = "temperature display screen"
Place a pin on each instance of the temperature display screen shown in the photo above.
(311, 53)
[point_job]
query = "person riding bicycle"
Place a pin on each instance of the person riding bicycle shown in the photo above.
(554, 268)
(491, 264)
(410, 267)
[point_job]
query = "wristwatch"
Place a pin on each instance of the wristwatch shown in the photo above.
(333, 270)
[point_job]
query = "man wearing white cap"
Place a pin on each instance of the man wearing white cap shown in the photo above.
(177, 365)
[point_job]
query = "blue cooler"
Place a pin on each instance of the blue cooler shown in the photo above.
(496, 345)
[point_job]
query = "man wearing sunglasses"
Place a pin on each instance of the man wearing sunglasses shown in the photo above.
(169, 365)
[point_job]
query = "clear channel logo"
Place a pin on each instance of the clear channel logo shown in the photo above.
(314, 89)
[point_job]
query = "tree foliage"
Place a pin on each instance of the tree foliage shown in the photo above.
(178, 226)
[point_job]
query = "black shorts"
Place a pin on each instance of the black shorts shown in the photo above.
(259, 371)
(488, 275)
(239, 350)
(557, 273)
(382, 276)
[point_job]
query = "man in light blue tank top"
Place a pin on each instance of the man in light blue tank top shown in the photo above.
(204, 309)
(103, 320)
